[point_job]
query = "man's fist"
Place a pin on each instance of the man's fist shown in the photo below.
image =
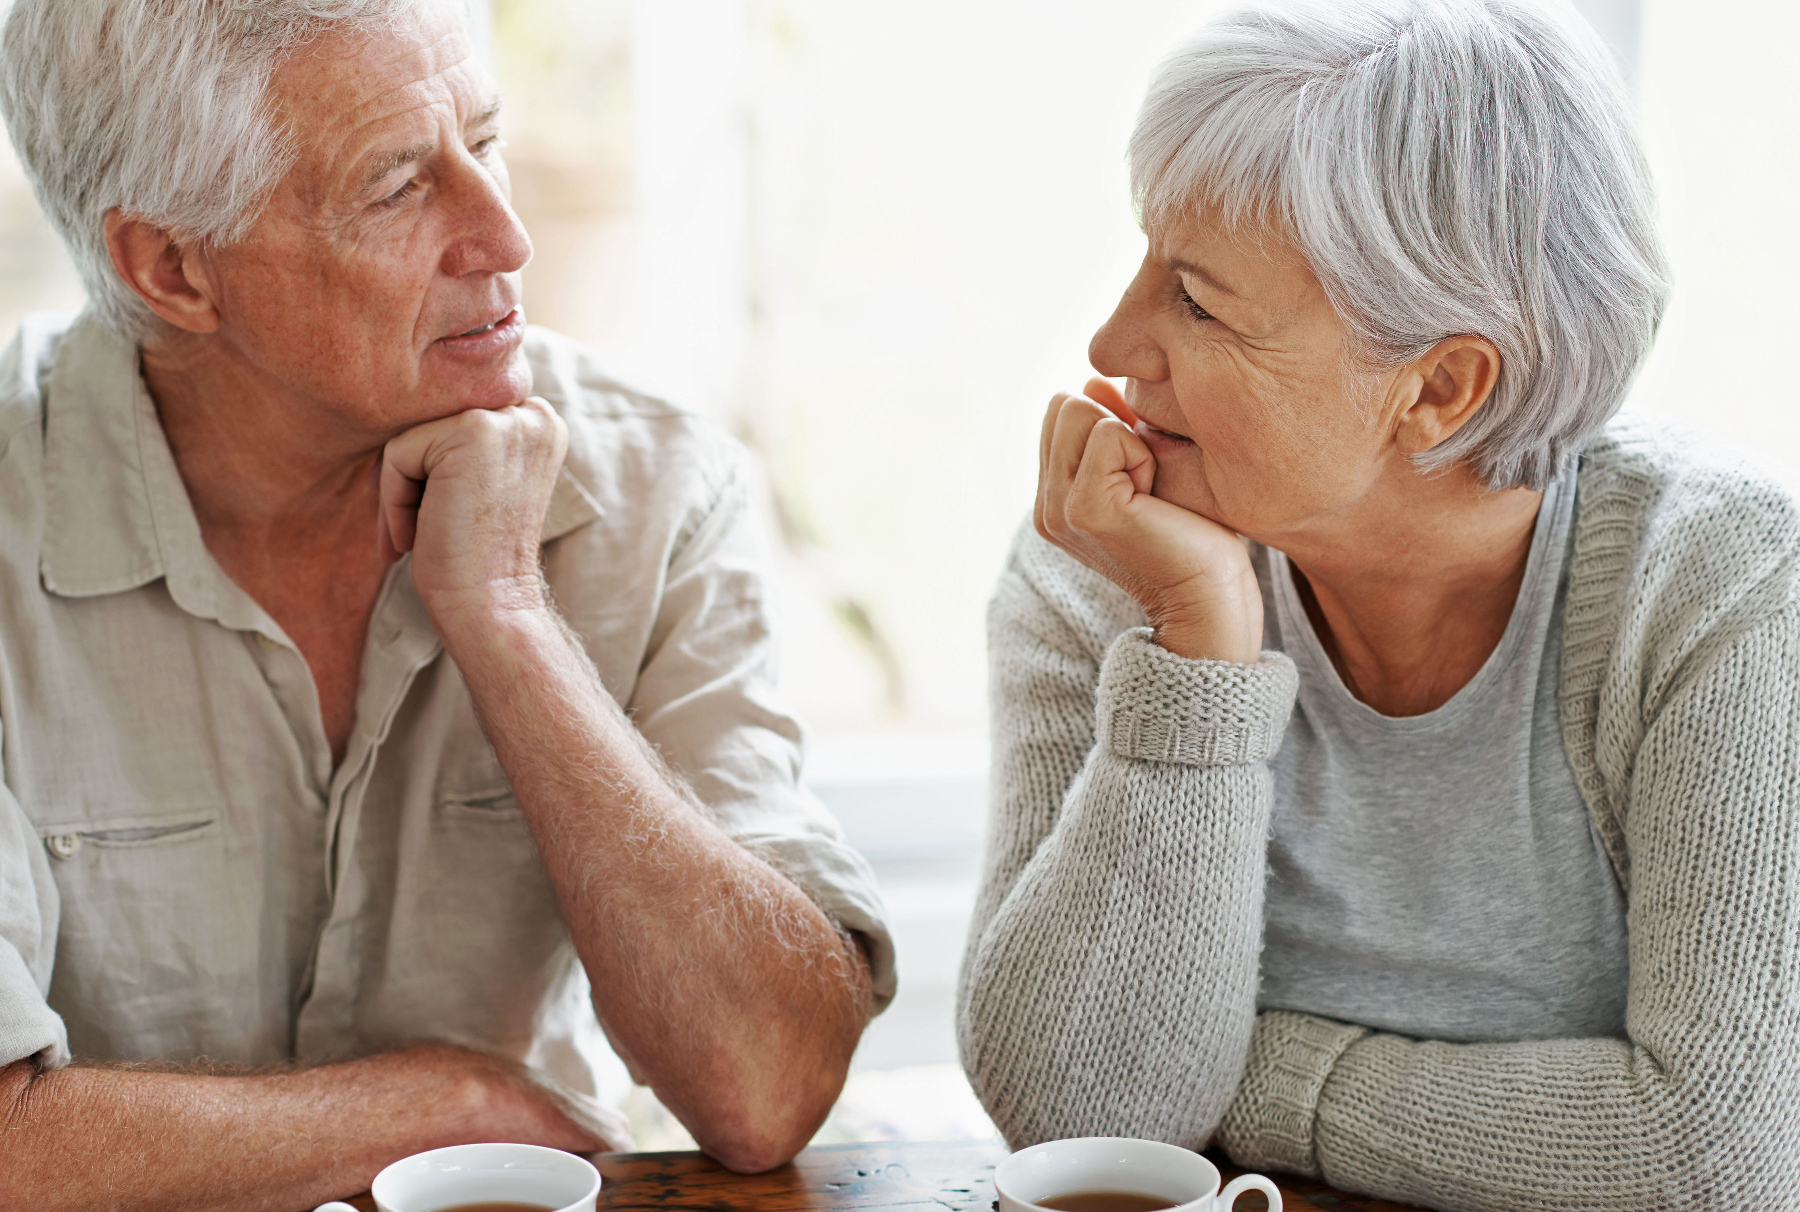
(467, 496)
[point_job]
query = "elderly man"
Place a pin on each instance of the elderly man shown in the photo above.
(315, 629)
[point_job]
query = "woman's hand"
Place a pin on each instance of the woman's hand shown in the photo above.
(1191, 575)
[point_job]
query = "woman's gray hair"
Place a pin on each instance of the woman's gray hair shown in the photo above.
(157, 107)
(1446, 167)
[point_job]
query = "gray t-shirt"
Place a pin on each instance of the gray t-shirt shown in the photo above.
(1438, 875)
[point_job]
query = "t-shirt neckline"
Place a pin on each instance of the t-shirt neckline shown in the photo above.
(1297, 628)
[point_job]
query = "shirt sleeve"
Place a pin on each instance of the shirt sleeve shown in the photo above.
(1109, 988)
(706, 699)
(1695, 1108)
(29, 908)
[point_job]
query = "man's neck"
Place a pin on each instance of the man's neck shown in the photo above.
(259, 465)
(287, 501)
(1412, 595)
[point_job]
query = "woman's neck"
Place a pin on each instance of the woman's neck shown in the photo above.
(1410, 597)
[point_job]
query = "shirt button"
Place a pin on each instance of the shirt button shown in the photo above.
(64, 845)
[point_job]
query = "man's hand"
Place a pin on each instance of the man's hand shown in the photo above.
(521, 1105)
(467, 496)
(1191, 575)
(77, 1138)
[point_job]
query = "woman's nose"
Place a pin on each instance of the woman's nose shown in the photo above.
(1123, 347)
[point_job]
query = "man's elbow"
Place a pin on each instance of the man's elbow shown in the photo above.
(757, 1132)
(753, 1152)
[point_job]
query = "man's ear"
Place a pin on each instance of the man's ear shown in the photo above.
(1450, 383)
(161, 271)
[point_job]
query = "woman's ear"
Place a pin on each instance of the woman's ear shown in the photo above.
(161, 271)
(1451, 382)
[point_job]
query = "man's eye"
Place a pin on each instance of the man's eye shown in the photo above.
(406, 190)
(489, 144)
(1194, 309)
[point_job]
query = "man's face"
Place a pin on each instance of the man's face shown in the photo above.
(382, 281)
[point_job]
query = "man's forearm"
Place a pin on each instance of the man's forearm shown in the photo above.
(82, 1138)
(722, 985)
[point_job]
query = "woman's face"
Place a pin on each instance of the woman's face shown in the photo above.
(1237, 367)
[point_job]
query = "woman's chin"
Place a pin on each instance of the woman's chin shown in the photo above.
(1182, 483)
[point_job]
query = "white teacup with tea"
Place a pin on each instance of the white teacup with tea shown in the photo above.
(1118, 1174)
(485, 1178)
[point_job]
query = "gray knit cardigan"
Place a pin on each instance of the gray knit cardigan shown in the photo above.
(1109, 987)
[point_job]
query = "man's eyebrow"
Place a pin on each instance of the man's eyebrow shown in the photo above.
(383, 165)
(1205, 275)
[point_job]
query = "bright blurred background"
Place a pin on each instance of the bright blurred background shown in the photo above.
(872, 240)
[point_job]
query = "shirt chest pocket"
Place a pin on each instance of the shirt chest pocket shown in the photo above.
(66, 841)
(480, 840)
(158, 933)
(477, 914)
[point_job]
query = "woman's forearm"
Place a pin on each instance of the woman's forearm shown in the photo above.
(1110, 982)
(1114, 991)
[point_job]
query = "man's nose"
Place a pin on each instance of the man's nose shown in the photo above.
(488, 236)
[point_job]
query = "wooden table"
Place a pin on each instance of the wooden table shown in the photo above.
(929, 1176)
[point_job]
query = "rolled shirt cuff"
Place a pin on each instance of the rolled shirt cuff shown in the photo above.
(1269, 1124)
(29, 1028)
(1161, 707)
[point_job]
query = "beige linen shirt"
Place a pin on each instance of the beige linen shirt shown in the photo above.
(183, 873)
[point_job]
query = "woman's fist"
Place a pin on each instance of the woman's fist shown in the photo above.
(1095, 500)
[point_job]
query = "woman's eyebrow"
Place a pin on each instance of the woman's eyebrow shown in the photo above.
(1205, 275)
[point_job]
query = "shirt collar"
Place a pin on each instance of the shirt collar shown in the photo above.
(117, 514)
(99, 531)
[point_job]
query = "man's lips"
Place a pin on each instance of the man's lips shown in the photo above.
(497, 333)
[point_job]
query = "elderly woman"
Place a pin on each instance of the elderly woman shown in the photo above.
(1396, 760)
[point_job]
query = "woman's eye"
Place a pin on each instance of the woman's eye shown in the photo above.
(1194, 309)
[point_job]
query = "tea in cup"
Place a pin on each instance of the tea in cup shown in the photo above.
(1118, 1174)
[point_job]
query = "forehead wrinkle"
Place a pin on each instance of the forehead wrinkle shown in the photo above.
(376, 99)
(332, 165)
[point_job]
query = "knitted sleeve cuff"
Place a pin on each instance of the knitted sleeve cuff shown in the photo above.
(1166, 708)
(1269, 1124)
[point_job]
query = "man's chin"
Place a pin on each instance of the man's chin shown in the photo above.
(497, 389)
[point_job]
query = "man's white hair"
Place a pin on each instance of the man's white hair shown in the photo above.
(160, 108)
(1446, 167)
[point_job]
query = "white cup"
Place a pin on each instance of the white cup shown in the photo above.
(467, 1174)
(1115, 1163)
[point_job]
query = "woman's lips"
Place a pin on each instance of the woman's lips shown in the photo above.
(1161, 441)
